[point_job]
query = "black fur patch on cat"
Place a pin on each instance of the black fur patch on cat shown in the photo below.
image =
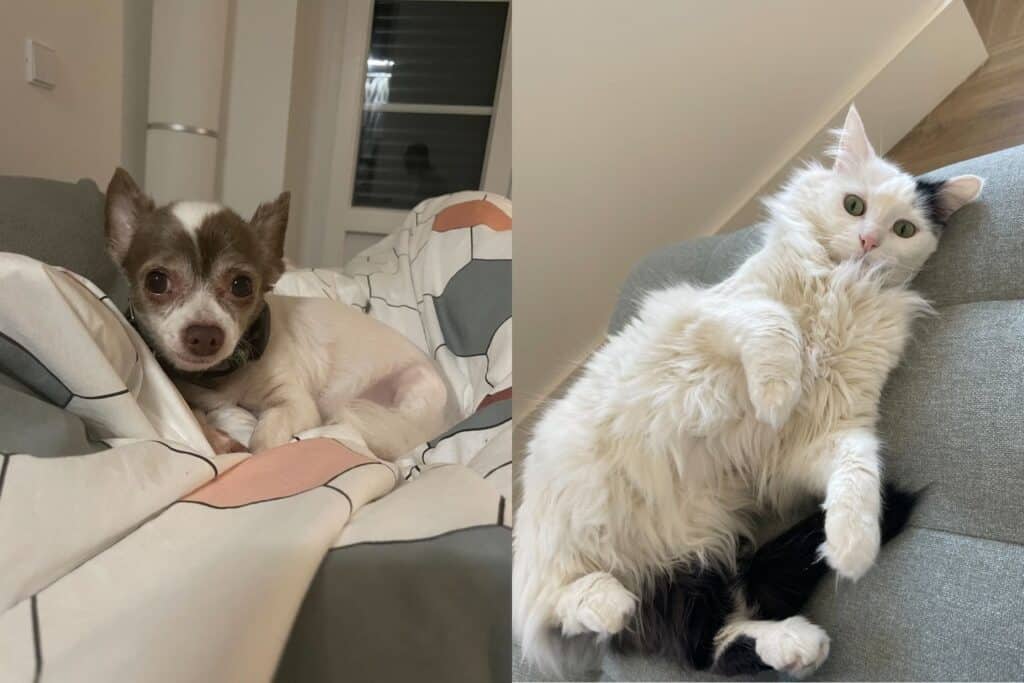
(930, 193)
(680, 615)
(739, 658)
(897, 506)
(780, 577)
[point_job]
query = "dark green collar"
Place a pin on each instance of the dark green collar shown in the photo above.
(249, 348)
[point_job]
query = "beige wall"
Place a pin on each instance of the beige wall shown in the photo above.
(316, 73)
(643, 124)
(73, 131)
(138, 31)
(257, 90)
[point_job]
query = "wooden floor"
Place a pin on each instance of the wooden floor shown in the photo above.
(986, 112)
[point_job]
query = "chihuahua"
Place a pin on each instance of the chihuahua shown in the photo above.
(200, 279)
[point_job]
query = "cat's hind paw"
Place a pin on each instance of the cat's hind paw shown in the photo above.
(796, 647)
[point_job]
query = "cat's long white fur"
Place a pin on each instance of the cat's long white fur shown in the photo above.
(715, 405)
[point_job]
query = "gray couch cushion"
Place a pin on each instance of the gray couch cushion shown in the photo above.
(61, 224)
(946, 601)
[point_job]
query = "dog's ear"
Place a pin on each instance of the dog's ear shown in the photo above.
(270, 222)
(126, 204)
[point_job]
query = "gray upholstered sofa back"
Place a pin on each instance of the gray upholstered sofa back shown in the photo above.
(62, 224)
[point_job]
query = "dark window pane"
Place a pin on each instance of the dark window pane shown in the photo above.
(436, 52)
(404, 158)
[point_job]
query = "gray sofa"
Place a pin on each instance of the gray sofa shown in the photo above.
(946, 600)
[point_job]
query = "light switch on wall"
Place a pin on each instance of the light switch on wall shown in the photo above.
(40, 64)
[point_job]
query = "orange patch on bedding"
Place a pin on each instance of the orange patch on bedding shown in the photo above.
(468, 214)
(502, 395)
(279, 472)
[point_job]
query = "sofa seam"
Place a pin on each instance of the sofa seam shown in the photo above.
(943, 307)
(965, 535)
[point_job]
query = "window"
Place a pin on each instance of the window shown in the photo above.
(431, 78)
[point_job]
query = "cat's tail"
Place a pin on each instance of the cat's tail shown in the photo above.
(681, 613)
(781, 575)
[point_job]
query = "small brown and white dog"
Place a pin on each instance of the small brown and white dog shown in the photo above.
(200, 278)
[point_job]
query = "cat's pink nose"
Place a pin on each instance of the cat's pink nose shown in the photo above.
(868, 242)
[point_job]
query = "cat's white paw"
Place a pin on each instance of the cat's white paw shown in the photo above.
(774, 399)
(852, 540)
(795, 646)
(596, 603)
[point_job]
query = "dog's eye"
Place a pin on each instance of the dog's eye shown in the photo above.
(241, 286)
(157, 282)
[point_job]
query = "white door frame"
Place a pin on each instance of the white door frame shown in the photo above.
(341, 216)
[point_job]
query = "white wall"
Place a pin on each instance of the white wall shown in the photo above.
(73, 131)
(138, 29)
(643, 124)
(946, 51)
(316, 73)
(188, 58)
(257, 88)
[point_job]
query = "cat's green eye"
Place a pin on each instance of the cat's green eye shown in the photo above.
(904, 228)
(854, 205)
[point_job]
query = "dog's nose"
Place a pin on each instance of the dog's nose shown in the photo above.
(204, 340)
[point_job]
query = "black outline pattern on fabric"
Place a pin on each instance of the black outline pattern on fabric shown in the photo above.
(431, 294)
(501, 466)
(404, 541)
(326, 484)
(351, 505)
(104, 299)
(472, 258)
(37, 642)
(501, 510)
(486, 355)
(208, 461)
(326, 285)
(423, 456)
(490, 343)
(59, 380)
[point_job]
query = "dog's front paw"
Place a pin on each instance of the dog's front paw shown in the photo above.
(272, 429)
(852, 540)
(221, 442)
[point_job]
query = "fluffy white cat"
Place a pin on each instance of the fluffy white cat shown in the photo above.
(714, 405)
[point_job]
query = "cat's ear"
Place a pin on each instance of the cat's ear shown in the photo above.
(957, 191)
(853, 148)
